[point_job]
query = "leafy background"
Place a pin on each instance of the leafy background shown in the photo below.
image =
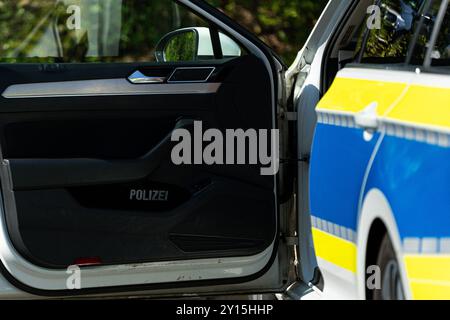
(283, 24)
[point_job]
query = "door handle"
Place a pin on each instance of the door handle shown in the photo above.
(139, 78)
(368, 118)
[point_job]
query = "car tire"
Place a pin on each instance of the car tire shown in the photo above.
(391, 282)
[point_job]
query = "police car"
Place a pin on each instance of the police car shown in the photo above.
(93, 205)
(378, 175)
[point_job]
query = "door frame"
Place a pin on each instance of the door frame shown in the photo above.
(46, 282)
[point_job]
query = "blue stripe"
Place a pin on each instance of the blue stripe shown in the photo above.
(339, 160)
(415, 177)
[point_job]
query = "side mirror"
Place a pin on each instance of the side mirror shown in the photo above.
(193, 44)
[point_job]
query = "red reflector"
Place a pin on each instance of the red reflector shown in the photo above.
(88, 261)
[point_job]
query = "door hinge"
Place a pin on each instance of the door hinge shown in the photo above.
(294, 161)
(288, 116)
(291, 116)
(290, 241)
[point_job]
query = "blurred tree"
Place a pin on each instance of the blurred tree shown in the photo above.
(182, 47)
(282, 24)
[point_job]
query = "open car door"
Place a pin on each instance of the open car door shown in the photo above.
(92, 94)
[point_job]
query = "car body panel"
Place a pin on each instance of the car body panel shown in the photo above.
(341, 147)
(400, 159)
(413, 171)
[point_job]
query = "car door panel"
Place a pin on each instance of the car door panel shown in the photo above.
(73, 154)
(90, 167)
(343, 150)
(413, 158)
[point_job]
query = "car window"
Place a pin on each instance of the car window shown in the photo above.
(388, 41)
(100, 31)
(441, 50)
(422, 37)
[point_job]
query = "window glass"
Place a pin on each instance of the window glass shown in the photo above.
(389, 41)
(441, 50)
(91, 30)
(425, 28)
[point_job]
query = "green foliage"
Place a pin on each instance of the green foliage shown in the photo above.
(25, 26)
(283, 24)
(181, 47)
(13, 22)
(387, 42)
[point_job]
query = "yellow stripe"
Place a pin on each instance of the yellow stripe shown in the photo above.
(335, 250)
(424, 106)
(354, 95)
(421, 105)
(429, 290)
(429, 276)
(429, 267)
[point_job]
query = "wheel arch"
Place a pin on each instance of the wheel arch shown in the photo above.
(375, 237)
(376, 218)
